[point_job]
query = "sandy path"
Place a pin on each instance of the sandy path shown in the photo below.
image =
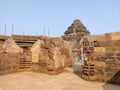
(41, 81)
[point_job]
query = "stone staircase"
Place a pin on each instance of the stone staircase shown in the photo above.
(25, 61)
(25, 42)
(25, 64)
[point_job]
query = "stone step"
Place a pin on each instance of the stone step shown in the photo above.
(25, 68)
(25, 62)
(25, 65)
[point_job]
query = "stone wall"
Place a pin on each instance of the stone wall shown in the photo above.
(36, 53)
(9, 55)
(54, 55)
(35, 49)
(9, 62)
(12, 47)
(105, 58)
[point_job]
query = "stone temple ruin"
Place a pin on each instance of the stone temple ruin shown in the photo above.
(20, 53)
(74, 34)
(100, 53)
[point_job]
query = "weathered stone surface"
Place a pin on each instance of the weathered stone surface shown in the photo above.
(3, 37)
(115, 36)
(99, 71)
(117, 54)
(74, 34)
(11, 46)
(77, 27)
(99, 50)
(76, 31)
(118, 58)
(100, 58)
(54, 54)
(9, 63)
(106, 57)
(100, 53)
(111, 49)
(109, 54)
(46, 54)
(35, 49)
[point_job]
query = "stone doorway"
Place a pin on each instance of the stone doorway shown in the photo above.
(25, 59)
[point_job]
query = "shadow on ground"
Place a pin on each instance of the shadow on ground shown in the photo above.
(115, 80)
(112, 84)
(76, 69)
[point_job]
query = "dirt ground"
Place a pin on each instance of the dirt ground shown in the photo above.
(41, 81)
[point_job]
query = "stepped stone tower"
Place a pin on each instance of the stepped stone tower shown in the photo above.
(78, 28)
(74, 33)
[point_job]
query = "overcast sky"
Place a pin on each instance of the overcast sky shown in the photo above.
(33, 16)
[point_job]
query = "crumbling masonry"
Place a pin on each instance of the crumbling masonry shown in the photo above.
(36, 53)
(100, 53)
(102, 58)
